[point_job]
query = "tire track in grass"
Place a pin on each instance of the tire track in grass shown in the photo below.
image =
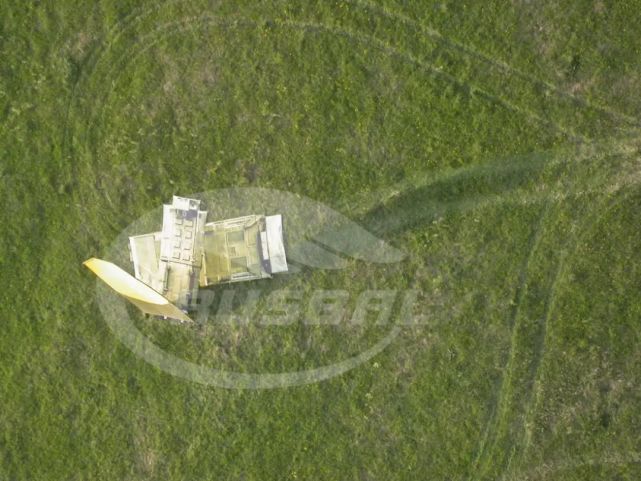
(526, 335)
(148, 41)
(86, 69)
(573, 156)
(109, 78)
(502, 404)
(351, 35)
(597, 212)
(438, 71)
(533, 83)
(494, 178)
(139, 15)
(509, 434)
(526, 438)
(438, 52)
(518, 197)
(549, 200)
(587, 228)
(618, 460)
(526, 351)
(117, 32)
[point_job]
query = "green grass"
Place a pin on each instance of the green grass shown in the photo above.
(496, 144)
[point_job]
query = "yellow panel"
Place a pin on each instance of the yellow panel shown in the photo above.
(135, 291)
(217, 262)
(251, 234)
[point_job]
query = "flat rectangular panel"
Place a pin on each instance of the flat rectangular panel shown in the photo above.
(275, 243)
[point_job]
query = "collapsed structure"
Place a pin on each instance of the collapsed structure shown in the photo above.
(190, 253)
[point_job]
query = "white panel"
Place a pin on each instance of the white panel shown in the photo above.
(275, 244)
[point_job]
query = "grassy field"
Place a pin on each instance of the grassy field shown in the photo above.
(495, 143)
